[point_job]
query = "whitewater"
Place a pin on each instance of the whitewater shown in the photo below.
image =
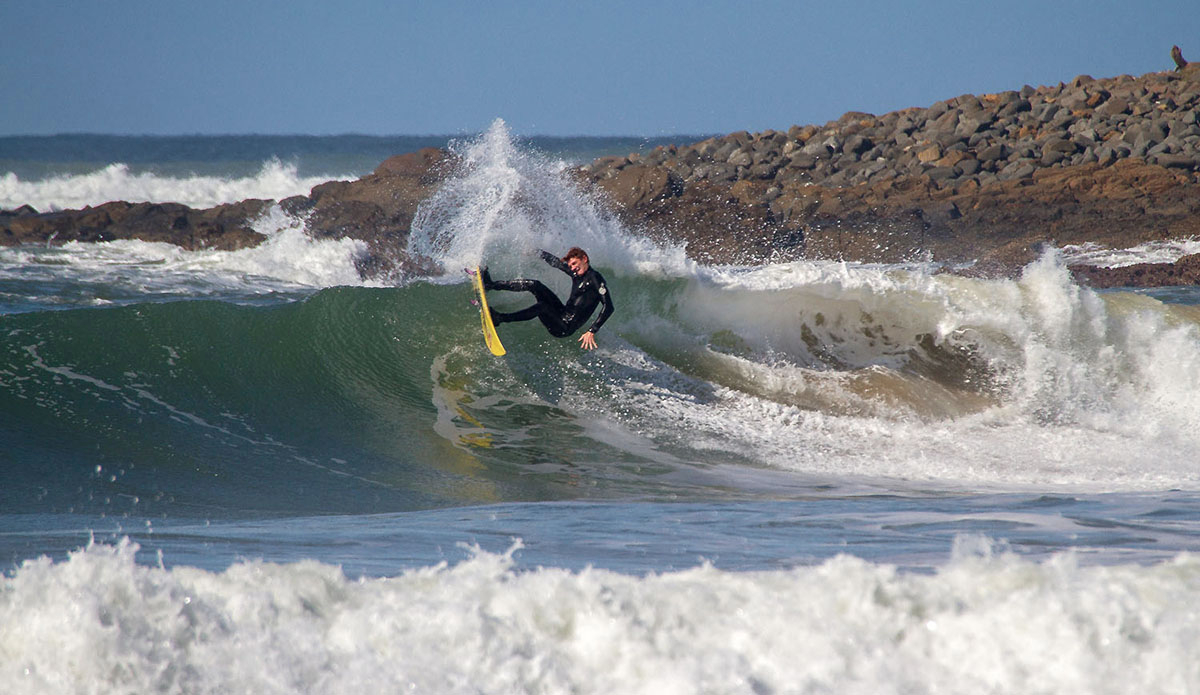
(256, 471)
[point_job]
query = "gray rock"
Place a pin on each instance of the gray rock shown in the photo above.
(740, 158)
(1059, 145)
(906, 124)
(856, 145)
(1045, 112)
(722, 153)
(971, 125)
(764, 171)
(1014, 107)
(1157, 130)
(1052, 158)
(1177, 161)
(766, 155)
(1113, 107)
(1020, 169)
(720, 171)
(942, 173)
(802, 161)
(817, 149)
(997, 151)
(1085, 137)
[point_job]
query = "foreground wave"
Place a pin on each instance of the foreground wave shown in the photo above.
(385, 399)
(986, 622)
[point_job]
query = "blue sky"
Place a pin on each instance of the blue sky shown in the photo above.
(552, 68)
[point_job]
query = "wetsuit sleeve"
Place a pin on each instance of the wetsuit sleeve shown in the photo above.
(606, 302)
(555, 261)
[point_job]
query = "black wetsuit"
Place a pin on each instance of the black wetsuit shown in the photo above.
(587, 290)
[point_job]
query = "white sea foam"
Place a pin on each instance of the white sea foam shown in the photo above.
(1149, 252)
(274, 181)
(839, 370)
(987, 622)
(288, 261)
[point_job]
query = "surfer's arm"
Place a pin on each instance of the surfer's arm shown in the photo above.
(555, 262)
(606, 308)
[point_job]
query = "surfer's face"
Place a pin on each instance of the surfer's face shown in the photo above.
(578, 265)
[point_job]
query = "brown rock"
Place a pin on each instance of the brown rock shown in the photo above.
(929, 154)
(952, 157)
(639, 186)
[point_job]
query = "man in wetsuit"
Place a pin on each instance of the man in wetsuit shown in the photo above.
(562, 319)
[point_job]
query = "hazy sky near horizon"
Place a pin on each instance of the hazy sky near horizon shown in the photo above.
(547, 68)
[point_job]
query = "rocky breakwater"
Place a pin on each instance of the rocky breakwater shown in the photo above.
(377, 209)
(987, 178)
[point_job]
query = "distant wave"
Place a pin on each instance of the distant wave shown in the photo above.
(1149, 252)
(274, 181)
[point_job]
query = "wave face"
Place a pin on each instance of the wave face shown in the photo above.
(383, 399)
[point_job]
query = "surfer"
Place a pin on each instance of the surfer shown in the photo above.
(562, 319)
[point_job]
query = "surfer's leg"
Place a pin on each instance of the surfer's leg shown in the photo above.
(532, 312)
(515, 285)
(550, 318)
(548, 307)
(543, 295)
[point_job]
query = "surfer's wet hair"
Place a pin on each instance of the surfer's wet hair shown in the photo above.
(575, 252)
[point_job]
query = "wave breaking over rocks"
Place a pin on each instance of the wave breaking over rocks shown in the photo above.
(981, 179)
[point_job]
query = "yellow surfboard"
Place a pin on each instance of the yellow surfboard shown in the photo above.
(489, 329)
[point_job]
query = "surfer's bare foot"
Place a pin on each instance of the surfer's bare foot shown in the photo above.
(487, 279)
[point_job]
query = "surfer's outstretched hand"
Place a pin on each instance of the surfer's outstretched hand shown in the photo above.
(588, 341)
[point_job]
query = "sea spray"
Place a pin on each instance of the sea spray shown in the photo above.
(504, 203)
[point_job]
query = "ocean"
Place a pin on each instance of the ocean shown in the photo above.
(257, 472)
